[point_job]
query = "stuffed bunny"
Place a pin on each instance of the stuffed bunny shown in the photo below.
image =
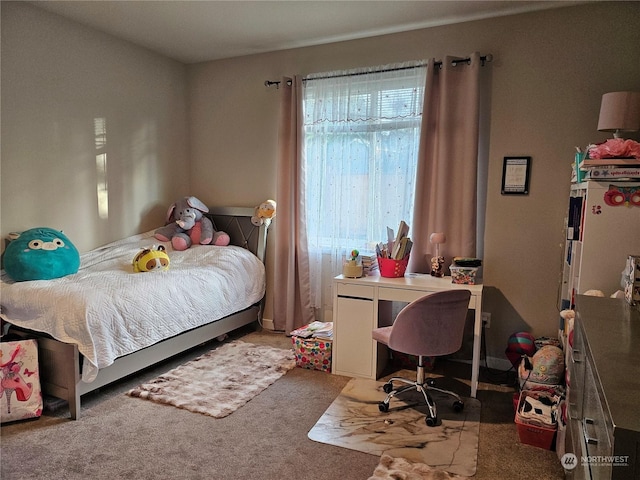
(186, 225)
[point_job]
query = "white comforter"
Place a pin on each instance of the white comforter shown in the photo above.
(110, 311)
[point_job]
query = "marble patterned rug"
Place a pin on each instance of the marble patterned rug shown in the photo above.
(354, 421)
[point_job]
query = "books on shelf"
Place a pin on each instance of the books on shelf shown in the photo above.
(607, 169)
(611, 162)
(615, 173)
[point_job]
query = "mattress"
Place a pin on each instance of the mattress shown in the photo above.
(109, 311)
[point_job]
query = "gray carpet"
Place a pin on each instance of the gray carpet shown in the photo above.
(123, 437)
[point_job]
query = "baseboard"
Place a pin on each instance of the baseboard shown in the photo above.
(267, 324)
(498, 363)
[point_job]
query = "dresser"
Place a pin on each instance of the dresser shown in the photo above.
(603, 430)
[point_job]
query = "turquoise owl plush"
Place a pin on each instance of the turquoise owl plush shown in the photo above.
(41, 254)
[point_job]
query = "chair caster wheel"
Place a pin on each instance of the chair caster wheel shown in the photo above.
(458, 406)
(431, 382)
(383, 407)
(431, 421)
(387, 387)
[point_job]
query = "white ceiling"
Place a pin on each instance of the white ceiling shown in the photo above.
(198, 31)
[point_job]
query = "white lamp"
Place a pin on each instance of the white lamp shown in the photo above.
(619, 112)
(437, 239)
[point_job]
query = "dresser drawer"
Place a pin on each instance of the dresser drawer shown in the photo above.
(595, 423)
(576, 366)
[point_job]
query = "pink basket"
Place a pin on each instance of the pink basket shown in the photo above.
(393, 268)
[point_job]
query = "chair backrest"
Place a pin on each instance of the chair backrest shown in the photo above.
(432, 325)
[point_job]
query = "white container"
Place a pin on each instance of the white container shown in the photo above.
(463, 275)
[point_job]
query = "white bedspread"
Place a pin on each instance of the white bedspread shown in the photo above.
(110, 311)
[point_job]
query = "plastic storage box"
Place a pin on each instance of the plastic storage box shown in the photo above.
(463, 275)
(534, 434)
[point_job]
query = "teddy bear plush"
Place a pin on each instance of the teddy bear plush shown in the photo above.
(264, 213)
(186, 225)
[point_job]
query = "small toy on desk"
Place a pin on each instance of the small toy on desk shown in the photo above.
(352, 268)
(150, 259)
(438, 260)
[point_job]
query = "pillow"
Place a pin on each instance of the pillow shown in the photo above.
(41, 254)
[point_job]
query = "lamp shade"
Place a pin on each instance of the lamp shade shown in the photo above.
(619, 112)
(437, 238)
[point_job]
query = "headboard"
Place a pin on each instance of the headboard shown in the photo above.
(236, 221)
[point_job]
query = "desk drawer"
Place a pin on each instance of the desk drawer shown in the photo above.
(354, 291)
(405, 295)
(400, 294)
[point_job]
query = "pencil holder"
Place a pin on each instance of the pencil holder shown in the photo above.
(392, 268)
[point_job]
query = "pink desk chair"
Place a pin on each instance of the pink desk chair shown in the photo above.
(428, 327)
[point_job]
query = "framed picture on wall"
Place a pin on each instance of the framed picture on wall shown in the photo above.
(515, 175)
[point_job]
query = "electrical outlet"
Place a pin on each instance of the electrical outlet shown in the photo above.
(486, 319)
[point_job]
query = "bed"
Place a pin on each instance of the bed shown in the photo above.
(106, 322)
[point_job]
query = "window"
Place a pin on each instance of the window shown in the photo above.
(361, 138)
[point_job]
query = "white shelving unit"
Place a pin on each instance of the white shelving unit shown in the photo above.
(600, 236)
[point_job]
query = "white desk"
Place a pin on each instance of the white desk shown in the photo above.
(356, 312)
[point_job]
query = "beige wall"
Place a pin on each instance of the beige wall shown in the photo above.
(211, 130)
(549, 73)
(57, 78)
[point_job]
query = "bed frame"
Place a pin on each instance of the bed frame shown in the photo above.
(60, 363)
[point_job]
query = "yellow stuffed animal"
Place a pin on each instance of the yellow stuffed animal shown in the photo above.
(264, 213)
(148, 260)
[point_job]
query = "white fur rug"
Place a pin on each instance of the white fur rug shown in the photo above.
(391, 468)
(220, 381)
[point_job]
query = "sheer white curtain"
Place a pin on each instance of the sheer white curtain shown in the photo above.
(361, 134)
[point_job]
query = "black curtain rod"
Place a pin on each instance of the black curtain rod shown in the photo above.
(483, 59)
